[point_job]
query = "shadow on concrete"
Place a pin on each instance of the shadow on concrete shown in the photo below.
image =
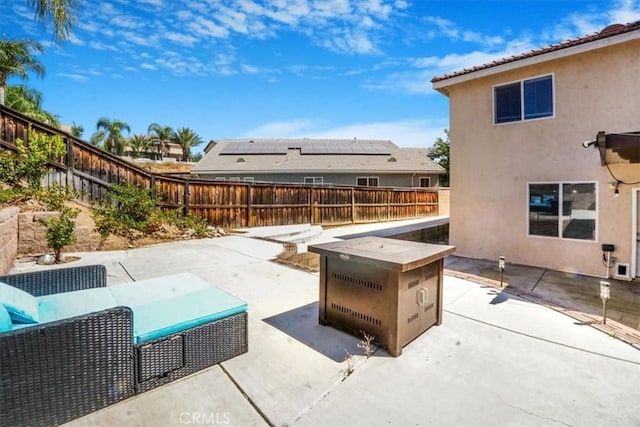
(499, 297)
(569, 290)
(302, 325)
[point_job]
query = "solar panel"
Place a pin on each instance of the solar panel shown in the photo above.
(233, 148)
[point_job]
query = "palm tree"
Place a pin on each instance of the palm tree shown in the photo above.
(160, 136)
(16, 59)
(28, 101)
(109, 135)
(186, 138)
(77, 130)
(138, 144)
(63, 13)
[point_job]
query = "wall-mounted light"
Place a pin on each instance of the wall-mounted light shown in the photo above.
(616, 192)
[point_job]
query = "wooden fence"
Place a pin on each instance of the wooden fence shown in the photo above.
(90, 171)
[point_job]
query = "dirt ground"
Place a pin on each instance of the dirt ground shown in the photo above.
(166, 167)
(165, 233)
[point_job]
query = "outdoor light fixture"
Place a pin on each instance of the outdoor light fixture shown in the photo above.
(605, 295)
(501, 262)
(587, 144)
(616, 192)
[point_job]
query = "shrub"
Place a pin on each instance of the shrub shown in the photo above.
(59, 229)
(126, 208)
(30, 161)
(129, 208)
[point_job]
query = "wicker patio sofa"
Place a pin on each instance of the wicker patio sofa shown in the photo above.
(51, 373)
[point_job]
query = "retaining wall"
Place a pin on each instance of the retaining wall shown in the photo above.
(8, 238)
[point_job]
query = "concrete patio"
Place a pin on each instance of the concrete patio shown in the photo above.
(497, 359)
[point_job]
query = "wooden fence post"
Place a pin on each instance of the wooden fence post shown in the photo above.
(249, 207)
(310, 201)
(185, 209)
(69, 163)
(388, 205)
(353, 205)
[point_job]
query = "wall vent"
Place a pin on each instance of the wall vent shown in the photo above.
(621, 271)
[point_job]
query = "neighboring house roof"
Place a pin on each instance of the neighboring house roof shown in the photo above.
(611, 35)
(321, 156)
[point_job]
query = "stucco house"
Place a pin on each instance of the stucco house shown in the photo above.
(374, 163)
(542, 164)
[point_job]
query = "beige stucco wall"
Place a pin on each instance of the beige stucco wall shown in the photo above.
(491, 165)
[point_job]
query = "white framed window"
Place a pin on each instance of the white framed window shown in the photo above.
(425, 181)
(313, 180)
(367, 181)
(248, 179)
(524, 100)
(234, 178)
(220, 178)
(564, 210)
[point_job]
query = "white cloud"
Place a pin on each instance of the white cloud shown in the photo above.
(206, 27)
(102, 46)
(449, 29)
(281, 129)
(73, 76)
(180, 38)
(157, 3)
(625, 11)
(138, 39)
(403, 133)
(128, 22)
(73, 39)
(249, 69)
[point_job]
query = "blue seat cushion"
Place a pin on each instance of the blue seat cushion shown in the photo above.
(21, 305)
(70, 304)
(152, 290)
(5, 319)
(166, 317)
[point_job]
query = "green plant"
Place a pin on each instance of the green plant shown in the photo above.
(126, 208)
(60, 228)
(11, 196)
(10, 171)
(53, 197)
(30, 162)
(198, 225)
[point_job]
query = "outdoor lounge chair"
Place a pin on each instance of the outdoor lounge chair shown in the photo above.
(148, 334)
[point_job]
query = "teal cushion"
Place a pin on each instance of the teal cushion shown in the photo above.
(70, 304)
(22, 306)
(163, 318)
(160, 288)
(5, 319)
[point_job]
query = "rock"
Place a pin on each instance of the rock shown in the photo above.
(46, 259)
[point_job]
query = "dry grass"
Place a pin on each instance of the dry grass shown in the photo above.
(166, 167)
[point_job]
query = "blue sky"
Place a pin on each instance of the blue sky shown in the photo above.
(287, 68)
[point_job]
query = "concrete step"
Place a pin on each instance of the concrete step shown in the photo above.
(276, 232)
(307, 236)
